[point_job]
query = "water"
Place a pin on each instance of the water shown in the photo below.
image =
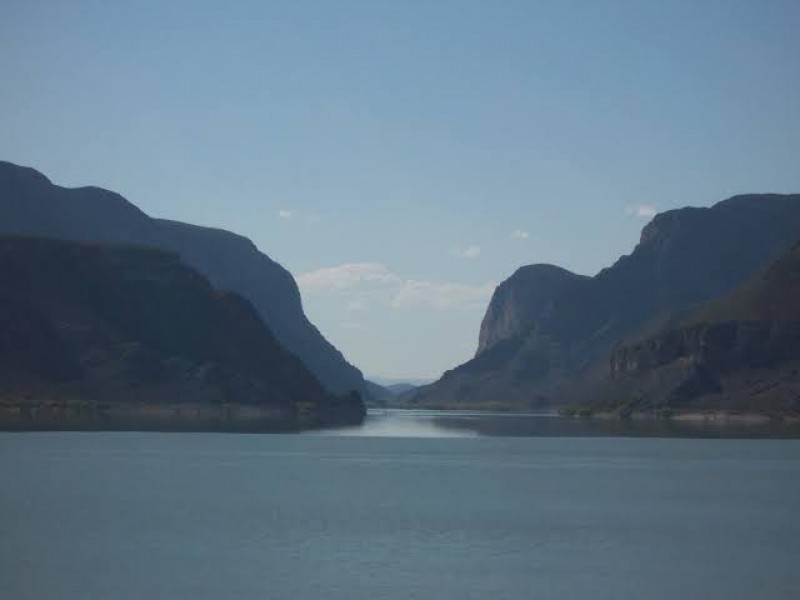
(416, 508)
(433, 423)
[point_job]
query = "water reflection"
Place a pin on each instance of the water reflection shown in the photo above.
(432, 423)
(403, 423)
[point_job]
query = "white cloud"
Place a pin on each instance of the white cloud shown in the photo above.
(285, 214)
(643, 211)
(468, 252)
(346, 276)
(385, 287)
(441, 296)
(519, 234)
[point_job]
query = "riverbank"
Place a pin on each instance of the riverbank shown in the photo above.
(94, 416)
(686, 416)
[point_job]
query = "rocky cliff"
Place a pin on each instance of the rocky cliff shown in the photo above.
(524, 299)
(31, 205)
(136, 326)
(684, 256)
(741, 352)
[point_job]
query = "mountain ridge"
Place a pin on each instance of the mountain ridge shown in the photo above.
(136, 329)
(30, 204)
(684, 256)
(740, 352)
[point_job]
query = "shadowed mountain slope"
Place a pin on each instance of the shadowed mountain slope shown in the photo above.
(741, 352)
(135, 325)
(31, 205)
(560, 354)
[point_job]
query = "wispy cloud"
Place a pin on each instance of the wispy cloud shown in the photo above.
(346, 276)
(468, 252)
(441, 296)
(382, 286)
(285, 214)
(642, 211)
(519, 234)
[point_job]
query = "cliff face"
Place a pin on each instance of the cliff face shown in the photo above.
(522, 300)
(31, 205)
(133, 325)
(718, 347)
(684, 257)
(742, 351)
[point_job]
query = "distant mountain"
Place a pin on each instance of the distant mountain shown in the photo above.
(401, 388)
(134, 327)
(548, 334)
(382, 396)
(739, 353)
(31, 205)
(376, 395)
(390, 381)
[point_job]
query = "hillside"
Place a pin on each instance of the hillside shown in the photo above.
(741, 352)
(129, 327)
(559, 354)
(31, 205)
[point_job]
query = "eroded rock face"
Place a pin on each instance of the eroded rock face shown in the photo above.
(522, 300)
(718, 346)
(736, 348)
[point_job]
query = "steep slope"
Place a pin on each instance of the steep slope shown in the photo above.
(31, 205)
(522, 300)
(134, 325)
(738, 353)
(684, 256)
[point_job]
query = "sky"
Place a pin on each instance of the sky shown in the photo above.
(403, 158)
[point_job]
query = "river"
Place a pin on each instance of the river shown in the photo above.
(412, 505)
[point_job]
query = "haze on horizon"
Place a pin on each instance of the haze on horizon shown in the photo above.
(401, 159)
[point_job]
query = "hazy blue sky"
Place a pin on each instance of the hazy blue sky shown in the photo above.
(403, 157)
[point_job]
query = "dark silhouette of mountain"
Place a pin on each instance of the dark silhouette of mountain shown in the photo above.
(739, 353)
(134, 327)
(31, 205)
(557, 351)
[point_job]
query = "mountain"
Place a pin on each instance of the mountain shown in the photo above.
(134, 327)
(392, 395)
(390, 381)
(739, 353)
(377, 396)
(401, 388)
(31, 205)
(522, 300)
(555, 349)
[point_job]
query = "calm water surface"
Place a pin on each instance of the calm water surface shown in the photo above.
(411, 506)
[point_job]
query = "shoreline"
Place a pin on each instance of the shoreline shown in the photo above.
(708, 416)
(223, 418)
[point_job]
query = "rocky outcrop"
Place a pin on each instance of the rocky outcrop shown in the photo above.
(522, 300)
(725, 353)
(134, 326)
(31, 205)
(684, 257)
(721, 346)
